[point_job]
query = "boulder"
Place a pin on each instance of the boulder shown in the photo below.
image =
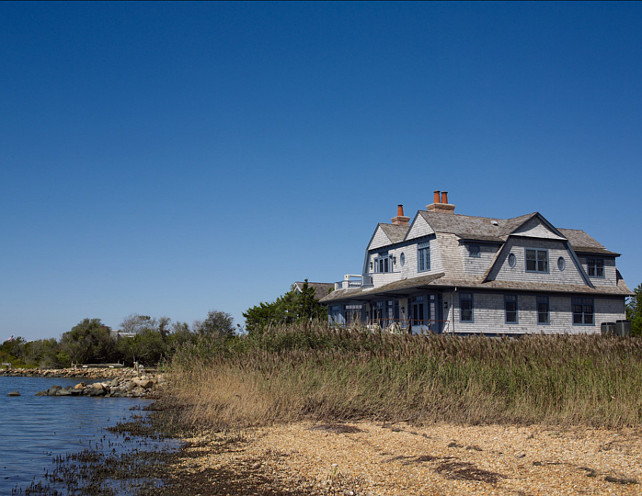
(53, 390)
(144, 383)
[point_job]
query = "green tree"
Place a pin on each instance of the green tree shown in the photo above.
(89, 342)
(293, 306)
(217, 324)
(136, 323)
(634, 311)
(45, 353)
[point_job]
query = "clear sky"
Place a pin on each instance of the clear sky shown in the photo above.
(174, 158)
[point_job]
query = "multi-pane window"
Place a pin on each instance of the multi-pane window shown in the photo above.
(543, 310)
(595, 267)
(536, 260)
(466, 307)
(583, 311)
(474, 251)
(423, 257)
(383, 263)
(510, 308)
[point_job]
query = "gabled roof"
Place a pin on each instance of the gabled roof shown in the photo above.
(394, 232)
(321, 289)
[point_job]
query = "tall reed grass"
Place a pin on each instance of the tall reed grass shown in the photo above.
(312, 371)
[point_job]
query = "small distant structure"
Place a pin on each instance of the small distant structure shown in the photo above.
(321, 289)
(115, 334)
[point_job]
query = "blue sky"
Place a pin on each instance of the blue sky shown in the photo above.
(173, 158)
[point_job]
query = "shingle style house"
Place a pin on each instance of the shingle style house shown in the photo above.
(446, 272)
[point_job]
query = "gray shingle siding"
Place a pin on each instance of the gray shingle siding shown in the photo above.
(488, 276)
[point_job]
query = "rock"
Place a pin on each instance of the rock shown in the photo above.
(80, 385)
(144, 383)
(64, 392)
(14, 393)
(92, 391)
(53, 390)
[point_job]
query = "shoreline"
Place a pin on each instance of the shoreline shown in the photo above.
(366, 458)
(79, 372)
(100, 381)
(370, 458)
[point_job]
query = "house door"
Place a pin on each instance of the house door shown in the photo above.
(417, 314)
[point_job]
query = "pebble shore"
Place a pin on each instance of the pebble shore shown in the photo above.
(375, 459)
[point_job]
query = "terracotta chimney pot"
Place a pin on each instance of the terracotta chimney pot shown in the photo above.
(400, 219)
(436, 197)
(444, 197)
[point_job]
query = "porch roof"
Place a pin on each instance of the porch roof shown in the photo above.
(435, 281)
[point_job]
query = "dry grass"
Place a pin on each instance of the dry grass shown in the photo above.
(330, 374)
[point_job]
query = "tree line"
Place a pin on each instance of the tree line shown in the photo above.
(149, 341)
(141, 339)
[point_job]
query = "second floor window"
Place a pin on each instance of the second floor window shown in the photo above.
(595, 267)
(536, 261)
(383, 263)
(423, 257)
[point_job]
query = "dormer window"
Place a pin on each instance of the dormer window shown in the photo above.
(474, 251)
(537, 261)
(595, 267)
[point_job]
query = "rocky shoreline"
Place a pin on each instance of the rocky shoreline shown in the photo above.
(113, 383)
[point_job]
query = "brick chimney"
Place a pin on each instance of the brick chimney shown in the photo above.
(440, 204)
(400, 219)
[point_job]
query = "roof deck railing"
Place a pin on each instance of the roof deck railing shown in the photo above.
(352, 281)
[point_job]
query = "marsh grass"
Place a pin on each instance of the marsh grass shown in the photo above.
(312, 371)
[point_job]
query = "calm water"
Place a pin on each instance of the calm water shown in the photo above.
(36, 429)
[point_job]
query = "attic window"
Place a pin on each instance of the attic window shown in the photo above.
(474, 251)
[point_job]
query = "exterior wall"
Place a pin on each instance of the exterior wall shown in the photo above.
(503, 272)
(609, 279)
(379, 239)
(449, 258)
(489, 315)
(477, 265)
(410, 267)
(536, 229)
(419, 228)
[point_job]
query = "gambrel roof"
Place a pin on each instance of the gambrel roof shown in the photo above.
(450, 230)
